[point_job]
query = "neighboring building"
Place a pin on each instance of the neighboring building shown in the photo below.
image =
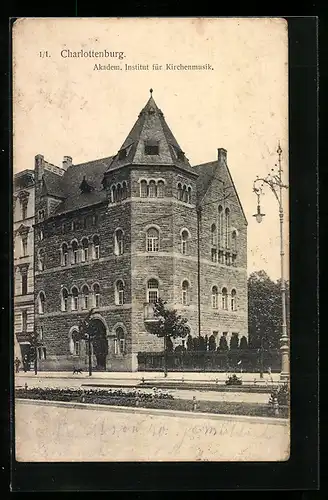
(23, 219)
(118, 232)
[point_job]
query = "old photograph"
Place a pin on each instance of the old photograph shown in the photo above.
(151, 240)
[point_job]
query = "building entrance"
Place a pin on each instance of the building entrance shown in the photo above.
(99, 343)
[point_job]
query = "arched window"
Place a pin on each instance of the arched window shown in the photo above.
(64, 299)
(96, 294)
(184, 242)
(179, 191)
(75, 299)
(227, 227)
(234, 241)
(143, 189)
(41, 260)
(220, 218)
(113, 194)
(224, 298)
(152, 189)
(185, 293)
(215, 297)
(85, 297)
(152, 291)
(119, 341)
(233, 300)
(160, 189)
(189, 195)
(124, 191)
(95, 247)
(75, 250)
(41, 302)
(85, 250)
(184, 194)
(74, 343)
(64, 254)
(119, 242)
(119, 192)
(152, 240)
(119, 293)
(213, 234)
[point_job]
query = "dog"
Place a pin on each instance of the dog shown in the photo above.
(77, 370)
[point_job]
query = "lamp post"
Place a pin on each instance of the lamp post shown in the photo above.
(274, 181)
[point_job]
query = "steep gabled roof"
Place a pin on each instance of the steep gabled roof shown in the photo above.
(207, 172)
(151, 129)
(68, 186)
(52, 185)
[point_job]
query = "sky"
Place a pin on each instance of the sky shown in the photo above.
(66, 107)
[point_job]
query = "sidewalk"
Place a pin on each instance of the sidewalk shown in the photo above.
(196, 377)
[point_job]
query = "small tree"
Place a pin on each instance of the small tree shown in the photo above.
(243, 343)
(168, 325)
(201, 344)
(190, 343)
(234, 341)
(211, 343)
(223, 344)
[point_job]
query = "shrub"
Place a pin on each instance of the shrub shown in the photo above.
(280, 393)
(233, 380)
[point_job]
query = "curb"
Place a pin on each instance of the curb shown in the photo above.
(156, 411)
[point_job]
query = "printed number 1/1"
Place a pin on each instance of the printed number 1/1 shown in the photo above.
(44, 53)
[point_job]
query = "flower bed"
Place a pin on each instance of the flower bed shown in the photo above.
(155, 399)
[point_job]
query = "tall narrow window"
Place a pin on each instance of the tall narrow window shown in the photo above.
(215, 296)
(152, 189)
(64, 300)
(214, 255)
(95, 245)
(24, 283)
(185, 293)
(85, 297)
(75, 299)
(220, 217)
(184, 194)
(160, 189)
(96, 294)
(184, 242)
(143, 189)
(119, 341)
(124, 191)
(119, 242)
(119, 192)
(227, 228)
(113, 194)
(189, 195)
(213, 234)
(41, 260)
(41, 302)
(41, 215)
(64, 254)
(152, 240)
(119, 293)
(224, 298)
(234, 241)
(85, 250)
(179, 191)
(75, 250)
(233, 300)
(24, 245)
(24, 321)
(152, 291)
(24, 209)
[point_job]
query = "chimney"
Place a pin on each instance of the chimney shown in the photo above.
(222, 155)
(67, 162)
(39, 167)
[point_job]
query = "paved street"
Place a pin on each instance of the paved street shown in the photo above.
(65, 379)
(50, 432)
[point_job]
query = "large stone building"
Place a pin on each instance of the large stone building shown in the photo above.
(23, 220)
(118, 232)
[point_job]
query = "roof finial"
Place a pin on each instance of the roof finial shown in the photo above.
(151, 91)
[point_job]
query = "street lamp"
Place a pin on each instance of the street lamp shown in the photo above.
(274, 181)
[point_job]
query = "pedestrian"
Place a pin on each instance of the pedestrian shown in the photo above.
(17, 364)
(25, 362)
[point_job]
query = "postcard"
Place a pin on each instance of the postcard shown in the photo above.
(151, 239)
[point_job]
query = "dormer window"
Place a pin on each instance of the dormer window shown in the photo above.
(85, 187)
(151, 148)
(180, 155)
(122, 154)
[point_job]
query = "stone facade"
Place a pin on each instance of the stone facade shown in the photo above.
(116, 231)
